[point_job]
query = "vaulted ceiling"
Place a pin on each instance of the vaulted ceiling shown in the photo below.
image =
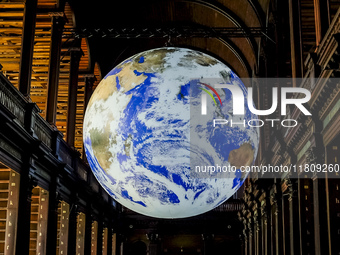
(102, 54)
(239, 53)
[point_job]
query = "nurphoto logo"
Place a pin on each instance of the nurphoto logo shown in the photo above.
(238, 104)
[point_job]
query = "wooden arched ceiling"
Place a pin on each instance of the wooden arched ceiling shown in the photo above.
(240, 53)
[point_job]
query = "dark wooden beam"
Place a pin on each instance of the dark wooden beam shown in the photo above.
(72, 95)
(322, 19)
(53, 70)
(89, 80)
(27, 44)
(295, 39)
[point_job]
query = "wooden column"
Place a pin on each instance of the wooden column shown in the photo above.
(27, 44)
(81, 224)
(109, 240)
(64, 228)
(267, 225)
(88, 230)
(120, 240)
(315, 155)
(53, 70)
(250, 237)
(94, 238)
(114, 244)
(100, 238)
(208, 240)
(27, 184)
(89, 80)
(72, 236)
(257, 228)
(306, 215)
(272, 229)
(333, 194)
(293, 218)
(265, 234)
(276, 202)
(295, 39)
(285, 226)
(320, 217)
(42, 231)
(72, 95)
(322, 19)
(12, 212)
(105, 243)
(154, 243)
(52, 226)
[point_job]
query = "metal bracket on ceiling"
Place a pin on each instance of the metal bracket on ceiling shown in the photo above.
(174, 32)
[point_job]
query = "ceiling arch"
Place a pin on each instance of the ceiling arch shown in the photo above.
(216, 6)
(211, 13)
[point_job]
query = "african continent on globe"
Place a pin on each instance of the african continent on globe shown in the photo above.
(148, 143)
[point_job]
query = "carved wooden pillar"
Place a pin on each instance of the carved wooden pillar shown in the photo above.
(295, 39)
(54, 65)
(72, 95)
(27, 45)
(27, 183)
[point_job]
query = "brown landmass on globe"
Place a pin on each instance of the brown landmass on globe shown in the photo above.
(204, 60)
(100, 146)
(153, 62)
(243, 156)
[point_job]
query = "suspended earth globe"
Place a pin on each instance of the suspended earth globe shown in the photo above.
(149, 144)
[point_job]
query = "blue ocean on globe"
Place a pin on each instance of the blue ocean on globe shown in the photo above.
(148, 143)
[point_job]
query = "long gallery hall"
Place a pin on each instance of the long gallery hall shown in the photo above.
(55, 53)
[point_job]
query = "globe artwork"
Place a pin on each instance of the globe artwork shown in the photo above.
(148, 143)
